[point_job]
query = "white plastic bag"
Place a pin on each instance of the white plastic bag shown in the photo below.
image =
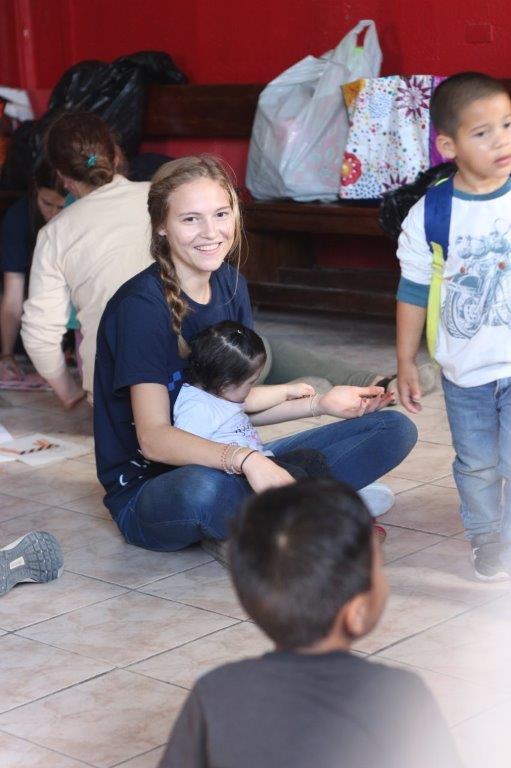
(301, 125)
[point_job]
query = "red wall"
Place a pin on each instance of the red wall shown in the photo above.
(247, 41)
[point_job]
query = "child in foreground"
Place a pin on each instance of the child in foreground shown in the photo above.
(455, 254)
(307, 570)
(219, 401)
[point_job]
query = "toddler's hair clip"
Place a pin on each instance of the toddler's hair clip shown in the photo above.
(237, 330)
(91, 161)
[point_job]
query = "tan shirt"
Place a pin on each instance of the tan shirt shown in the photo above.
(83, 256)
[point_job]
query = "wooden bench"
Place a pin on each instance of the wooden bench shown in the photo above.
(281, 234)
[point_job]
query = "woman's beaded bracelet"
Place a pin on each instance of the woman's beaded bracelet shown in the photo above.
(227, 458)
(224, 463)
(312, 403)
(236, 470)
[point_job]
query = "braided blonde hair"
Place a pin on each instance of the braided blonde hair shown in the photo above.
(166, 180)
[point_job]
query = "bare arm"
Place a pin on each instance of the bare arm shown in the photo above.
(160, 441)
(410, 325)
(264, 397)
(343, 402)
(45, 316)
(11, 310)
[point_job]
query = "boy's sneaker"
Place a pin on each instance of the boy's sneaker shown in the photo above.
(505, 556)
(36, 556)
(487, 561)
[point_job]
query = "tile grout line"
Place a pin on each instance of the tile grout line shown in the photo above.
(181, 645)
(468, 609)
(49, 749)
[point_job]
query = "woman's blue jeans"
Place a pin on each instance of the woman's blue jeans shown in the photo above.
(191, 503)
(480, 422)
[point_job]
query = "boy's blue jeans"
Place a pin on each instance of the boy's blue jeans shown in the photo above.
(480, 422)
(185, 505)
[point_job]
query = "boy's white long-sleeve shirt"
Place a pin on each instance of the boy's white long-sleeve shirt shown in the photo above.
(83, 256)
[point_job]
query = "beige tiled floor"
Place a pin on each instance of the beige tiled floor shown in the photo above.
(95, 666)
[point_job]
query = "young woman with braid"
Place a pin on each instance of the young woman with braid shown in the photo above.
(86, 252)
(167, 488)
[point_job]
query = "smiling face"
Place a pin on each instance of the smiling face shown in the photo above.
(199, 227)
(482, 143)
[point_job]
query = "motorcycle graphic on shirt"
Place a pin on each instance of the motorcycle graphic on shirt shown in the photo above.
(480, 293)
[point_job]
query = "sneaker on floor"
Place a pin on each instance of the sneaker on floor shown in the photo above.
(36, 556)
(380, 532)
(378, 498)
(487, 560)
(217, 549)
(505, 556)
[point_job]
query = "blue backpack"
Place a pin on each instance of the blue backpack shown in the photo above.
(437, 223)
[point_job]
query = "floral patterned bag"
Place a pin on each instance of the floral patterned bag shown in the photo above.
(389, 134)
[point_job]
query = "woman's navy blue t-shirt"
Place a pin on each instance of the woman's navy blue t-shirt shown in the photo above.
(136, 345)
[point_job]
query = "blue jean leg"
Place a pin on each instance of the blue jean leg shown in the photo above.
(181, 507)
(358, 451)
(504, 406)
(480, 422)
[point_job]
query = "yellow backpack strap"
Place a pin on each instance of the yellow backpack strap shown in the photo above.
(437, 223)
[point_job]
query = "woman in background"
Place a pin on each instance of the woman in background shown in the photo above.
(18, 235)
(83, 256)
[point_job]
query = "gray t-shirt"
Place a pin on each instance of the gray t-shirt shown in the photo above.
(288, 710)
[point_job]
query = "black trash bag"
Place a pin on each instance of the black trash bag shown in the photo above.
(156, 67)
(395, 205)
(116, 92)
(116, 95)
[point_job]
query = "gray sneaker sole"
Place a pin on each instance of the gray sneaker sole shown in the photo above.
(35, 557)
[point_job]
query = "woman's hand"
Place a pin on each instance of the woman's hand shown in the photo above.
(67, 389)
(297, 389)
(262, 473)
(351, 402)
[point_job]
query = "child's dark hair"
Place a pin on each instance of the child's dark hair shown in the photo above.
(457, 92)
(298, 554)
(223, 354)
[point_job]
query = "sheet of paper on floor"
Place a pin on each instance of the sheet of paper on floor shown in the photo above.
(59, 450)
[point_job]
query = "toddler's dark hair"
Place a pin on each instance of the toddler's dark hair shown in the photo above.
(298, 554)
(457, 92)
(223, 354)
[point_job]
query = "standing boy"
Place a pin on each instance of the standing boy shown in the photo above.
(307, 570)
(455, 254)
